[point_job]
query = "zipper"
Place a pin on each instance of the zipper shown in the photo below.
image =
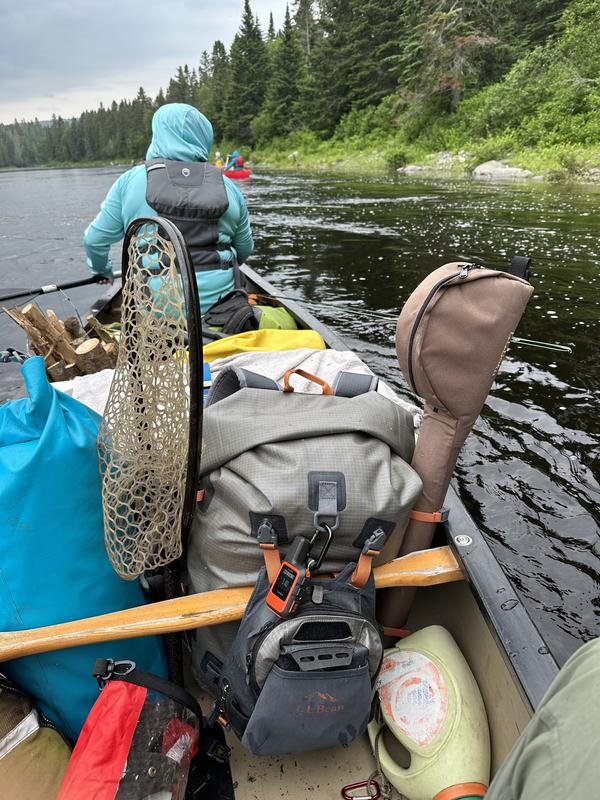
(251, 658)
(463, 273)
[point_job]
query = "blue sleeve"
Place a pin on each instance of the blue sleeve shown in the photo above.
(242, 237)
(105, 230)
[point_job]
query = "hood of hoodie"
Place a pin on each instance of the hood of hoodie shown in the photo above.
(180, 132)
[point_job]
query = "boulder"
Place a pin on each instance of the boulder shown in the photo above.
(500, 171)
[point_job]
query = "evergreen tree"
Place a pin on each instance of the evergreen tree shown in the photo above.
(248, 79)
(271, 31)
(281, 113)
(306, 25)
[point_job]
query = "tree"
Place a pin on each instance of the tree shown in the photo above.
(213, 86)
(249, 63)
(281, 112)
(306, 25)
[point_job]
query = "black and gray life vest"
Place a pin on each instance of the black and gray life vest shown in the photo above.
(192, 195)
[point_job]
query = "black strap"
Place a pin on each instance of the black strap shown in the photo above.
(519, 266)
(106, 669)
(232, 313)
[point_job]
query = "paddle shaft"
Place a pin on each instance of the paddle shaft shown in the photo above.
(53, 287)
(424, 568)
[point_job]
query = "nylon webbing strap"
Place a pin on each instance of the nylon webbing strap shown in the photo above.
(429, 516)
(363, 568)
(328, 499)
(372, 547)
(272, 560)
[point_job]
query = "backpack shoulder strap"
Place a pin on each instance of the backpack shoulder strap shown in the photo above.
(232, 379)
(351, 384)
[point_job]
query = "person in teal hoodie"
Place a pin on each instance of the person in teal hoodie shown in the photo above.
(179, 133)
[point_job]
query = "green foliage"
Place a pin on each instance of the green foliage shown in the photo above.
(249, 61)
(280, 113)
(385, 81)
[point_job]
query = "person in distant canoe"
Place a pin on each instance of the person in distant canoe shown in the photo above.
(178, 154)
(219, 160)
(236, 161)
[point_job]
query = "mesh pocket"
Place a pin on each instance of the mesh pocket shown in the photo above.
(300, 711)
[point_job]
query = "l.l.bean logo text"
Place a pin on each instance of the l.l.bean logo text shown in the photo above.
(319, 703)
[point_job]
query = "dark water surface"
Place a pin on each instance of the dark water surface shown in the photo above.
(529, 473)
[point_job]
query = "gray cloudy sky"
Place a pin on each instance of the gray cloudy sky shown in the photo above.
(66, 56)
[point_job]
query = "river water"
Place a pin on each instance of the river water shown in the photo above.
(529, 473)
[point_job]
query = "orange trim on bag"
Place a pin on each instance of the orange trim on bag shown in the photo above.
(462, 790)
(287, 387)
(427, 516)
(272, 560)
(363, 569)
(398, 633)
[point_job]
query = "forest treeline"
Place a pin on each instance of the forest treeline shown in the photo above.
(357, 74)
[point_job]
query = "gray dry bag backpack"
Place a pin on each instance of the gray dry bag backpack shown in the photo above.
(276, 465)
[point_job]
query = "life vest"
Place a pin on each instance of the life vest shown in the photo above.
(239, 162)
(192, 195)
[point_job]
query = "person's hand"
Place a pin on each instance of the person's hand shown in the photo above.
(106, 281)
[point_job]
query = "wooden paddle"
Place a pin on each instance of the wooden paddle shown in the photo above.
(422, 568)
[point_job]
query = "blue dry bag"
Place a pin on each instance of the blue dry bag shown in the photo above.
(53, 566)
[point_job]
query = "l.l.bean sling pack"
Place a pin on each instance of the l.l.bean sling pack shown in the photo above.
(274, 464)
(304, 682)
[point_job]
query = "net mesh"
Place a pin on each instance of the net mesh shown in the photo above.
(144, 437)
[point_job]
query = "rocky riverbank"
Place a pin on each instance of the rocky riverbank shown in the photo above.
(576, 167)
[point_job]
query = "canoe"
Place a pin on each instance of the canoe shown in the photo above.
(237, 174)
(506, 653)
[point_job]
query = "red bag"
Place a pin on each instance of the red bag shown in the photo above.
(138, 740)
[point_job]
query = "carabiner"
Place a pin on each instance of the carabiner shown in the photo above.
(315, 563)
(370, 786)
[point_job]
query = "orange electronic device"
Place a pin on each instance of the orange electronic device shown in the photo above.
(286, 590)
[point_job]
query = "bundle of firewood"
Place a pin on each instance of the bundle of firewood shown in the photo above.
(68, 349)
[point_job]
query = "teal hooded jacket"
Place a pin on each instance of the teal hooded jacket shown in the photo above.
(181, 133)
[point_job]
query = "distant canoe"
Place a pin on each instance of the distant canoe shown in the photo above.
(237, 174)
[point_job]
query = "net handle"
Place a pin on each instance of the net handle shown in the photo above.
(192, 303)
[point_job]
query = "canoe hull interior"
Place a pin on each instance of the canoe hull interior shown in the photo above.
(498, 638)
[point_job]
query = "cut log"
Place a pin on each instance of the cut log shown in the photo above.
(98, 330)
(36, 340)
(92, 357)
(56, 323)
(59, 371)
(73, 328)
(112, 351)
(57, 343)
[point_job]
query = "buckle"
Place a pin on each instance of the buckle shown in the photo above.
(267, 535)
(218, 751)
(375, 542)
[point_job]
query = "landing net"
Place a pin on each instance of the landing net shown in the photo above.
(147, 438)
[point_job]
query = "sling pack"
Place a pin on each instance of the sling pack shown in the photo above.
(307, 681)
(138, 740)
(33, 755)
(275, 464)
(192, 195)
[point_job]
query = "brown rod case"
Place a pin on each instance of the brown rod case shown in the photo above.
(450, 340)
